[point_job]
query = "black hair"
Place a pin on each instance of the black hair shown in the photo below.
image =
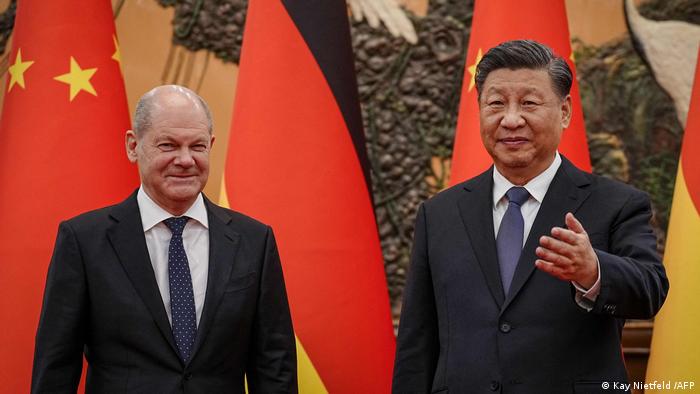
(517, 54)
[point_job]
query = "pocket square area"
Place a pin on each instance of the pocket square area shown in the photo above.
(240, 282)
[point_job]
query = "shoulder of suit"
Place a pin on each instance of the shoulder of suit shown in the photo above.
(609, 186)
(93, 218)
(237, 219)
(581, 178)
(454, 192)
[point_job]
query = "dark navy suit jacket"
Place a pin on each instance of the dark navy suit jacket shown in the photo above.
(460, 334)
(101, 297)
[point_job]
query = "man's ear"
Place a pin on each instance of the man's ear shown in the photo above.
(566, 108)
(131, 142)
(211, 141)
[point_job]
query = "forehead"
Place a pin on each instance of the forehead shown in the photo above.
(521, 80)
(179, 117)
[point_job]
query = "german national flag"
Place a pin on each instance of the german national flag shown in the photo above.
(675, 345)
(297, 161)
(61, 153)
(494, 22)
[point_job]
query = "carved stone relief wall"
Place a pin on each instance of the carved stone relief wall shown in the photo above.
(410, 92)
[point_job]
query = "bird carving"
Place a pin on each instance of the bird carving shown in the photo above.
(387, 12)
(670, 48)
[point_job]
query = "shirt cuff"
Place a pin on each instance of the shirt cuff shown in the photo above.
(585, 298)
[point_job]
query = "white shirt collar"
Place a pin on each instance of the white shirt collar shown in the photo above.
(537, 187)
(152, 213)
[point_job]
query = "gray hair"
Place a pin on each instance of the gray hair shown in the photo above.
(517, 54)
(143, 114)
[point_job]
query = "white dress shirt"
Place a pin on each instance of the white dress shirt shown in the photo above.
(195, 238)
(537, 187)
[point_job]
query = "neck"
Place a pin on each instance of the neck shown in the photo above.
(175, 208)
(520, 176)
(517, 180)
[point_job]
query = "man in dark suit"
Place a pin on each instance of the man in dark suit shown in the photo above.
(166, 292)
(522, 277)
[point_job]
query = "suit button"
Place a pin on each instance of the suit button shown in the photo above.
(505, 328)
(494, 385)
(188, 376)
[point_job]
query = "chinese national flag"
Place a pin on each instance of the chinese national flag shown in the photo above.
(494, 22)
(61, 153)
(675, 345)
(297, 161)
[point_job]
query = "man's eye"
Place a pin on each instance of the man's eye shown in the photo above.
(529, 103)
(496, 103)
(166, 146)
(199, 148)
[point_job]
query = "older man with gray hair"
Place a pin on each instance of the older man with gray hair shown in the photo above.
(166, 292)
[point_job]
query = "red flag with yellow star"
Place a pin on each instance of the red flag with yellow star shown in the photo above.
(494, 22)
(61, 152)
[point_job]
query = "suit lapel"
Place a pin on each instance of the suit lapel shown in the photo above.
(127, 239)
(223, 245)
(476, 210)
(565, 194)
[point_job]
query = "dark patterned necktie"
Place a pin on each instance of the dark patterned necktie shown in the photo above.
(184, 316)
(509, 241)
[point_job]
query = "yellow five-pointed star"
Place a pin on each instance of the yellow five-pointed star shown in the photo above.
(117, 55)
(472, 69)
(78, 79)
(17, 71)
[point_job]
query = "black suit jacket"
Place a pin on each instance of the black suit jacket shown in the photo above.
(101, 297)
(460, 334)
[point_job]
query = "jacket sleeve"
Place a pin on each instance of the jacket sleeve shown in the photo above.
(633, 280)
(272, 365)
(417, 346)
(58, 354)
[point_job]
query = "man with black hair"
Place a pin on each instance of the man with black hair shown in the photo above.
(522, 277)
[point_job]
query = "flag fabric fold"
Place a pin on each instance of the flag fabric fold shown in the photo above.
(494, 22)
(675, 345)
(296, 160)
(61, 152)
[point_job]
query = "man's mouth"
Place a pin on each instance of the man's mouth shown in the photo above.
(513, 141)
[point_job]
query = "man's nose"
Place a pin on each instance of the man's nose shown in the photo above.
(512, 118)
(184, 157)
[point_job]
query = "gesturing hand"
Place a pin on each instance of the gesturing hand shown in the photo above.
(568, 254)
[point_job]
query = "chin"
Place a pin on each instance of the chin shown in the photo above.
(515, 162)
(184, 193)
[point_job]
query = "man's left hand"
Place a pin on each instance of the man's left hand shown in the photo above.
(568, 254)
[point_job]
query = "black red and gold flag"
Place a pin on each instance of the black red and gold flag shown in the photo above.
(676, 325)
(297, 161)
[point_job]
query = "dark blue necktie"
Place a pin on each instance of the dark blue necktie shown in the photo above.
(184, 316)
(509, 241)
